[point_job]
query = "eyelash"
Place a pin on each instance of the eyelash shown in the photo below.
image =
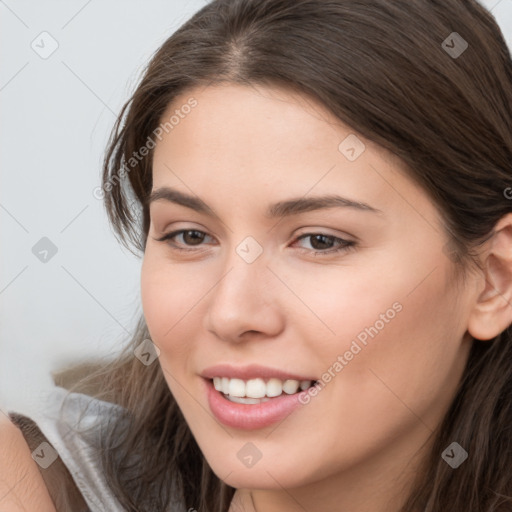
(345, 244)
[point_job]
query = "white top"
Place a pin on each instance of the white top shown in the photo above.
(56, 418)
(76, 450)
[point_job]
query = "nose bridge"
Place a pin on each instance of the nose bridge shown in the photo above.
(244, 274)
(242, 299)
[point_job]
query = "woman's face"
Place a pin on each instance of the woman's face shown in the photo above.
(263, 286)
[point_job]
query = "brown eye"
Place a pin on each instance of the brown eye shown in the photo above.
(196, 238)
(190, 237)
(322, 243)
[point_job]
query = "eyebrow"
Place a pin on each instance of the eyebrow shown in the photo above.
(281, 209)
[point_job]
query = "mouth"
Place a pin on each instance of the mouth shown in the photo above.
(258, 390)
(255, 403)
(254, 396)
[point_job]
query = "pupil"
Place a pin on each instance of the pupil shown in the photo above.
(321, 237)
(197, 238)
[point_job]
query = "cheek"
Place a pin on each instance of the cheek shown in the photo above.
(155, 302)
(164, 301)
(409, 366)
(333, 304)
(172, 298)
(390, 322)
(162, 305)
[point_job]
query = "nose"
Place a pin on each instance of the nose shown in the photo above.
(244, 304)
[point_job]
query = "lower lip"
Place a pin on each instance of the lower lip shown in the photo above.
(251, 417)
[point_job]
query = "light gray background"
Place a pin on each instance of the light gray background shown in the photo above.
(57, 113)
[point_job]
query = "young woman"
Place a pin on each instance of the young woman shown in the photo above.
(321, 194)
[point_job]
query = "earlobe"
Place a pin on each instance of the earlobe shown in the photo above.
(492, 312)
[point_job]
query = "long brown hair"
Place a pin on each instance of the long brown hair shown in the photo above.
(395, 72)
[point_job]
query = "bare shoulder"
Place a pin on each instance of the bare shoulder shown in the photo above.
(22, 487)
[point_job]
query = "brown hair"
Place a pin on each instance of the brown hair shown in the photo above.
(385, 69)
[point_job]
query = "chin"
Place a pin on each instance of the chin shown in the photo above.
(263, 475)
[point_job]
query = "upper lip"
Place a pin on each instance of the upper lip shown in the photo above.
(253, 371)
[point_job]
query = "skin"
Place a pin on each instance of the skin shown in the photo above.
(358, 443)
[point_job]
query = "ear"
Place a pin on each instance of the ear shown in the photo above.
(492, 312)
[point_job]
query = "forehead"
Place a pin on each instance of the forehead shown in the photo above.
(265, 141)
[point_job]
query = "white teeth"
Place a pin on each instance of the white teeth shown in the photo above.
(274, 387)
(256, 388)
(305, 384)
(291, 386)
(238, 389)
(250, 401)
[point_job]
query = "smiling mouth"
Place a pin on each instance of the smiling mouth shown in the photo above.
(256, 391)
